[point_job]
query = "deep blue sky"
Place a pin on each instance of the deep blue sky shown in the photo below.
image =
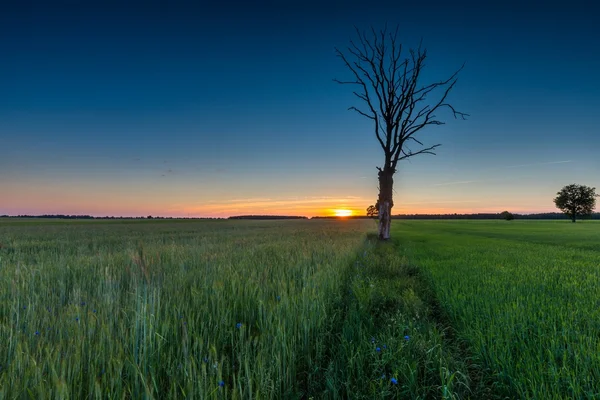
(231, 108)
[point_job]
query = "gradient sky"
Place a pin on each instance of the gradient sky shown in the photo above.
(216, 110)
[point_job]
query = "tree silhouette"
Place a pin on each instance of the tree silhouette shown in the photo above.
(397, 103)
(372, 211)
(576, 200)
(507, 215)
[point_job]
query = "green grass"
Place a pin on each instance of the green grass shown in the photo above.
(133, 310)
(299, 309)
(523, 296)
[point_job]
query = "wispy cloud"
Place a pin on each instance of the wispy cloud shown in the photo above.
(454, 183)
(536, 164)
(500, 168)
(437, 202)
(302, 205)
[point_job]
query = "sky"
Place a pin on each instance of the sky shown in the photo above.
(228, 108)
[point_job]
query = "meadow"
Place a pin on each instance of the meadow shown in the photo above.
(522, 296)
(298, 309)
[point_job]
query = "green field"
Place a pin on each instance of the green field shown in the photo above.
(299, 309)
(524, 296)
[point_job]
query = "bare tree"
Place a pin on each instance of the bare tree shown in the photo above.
(397, 103)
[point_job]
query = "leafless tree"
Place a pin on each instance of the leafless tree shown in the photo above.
(395, 100)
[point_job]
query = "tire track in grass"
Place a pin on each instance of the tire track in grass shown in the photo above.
(388, 339)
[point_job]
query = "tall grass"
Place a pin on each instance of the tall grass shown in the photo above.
(523, 295)
(212, 309)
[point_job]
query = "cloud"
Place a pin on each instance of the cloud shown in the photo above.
(454, 183)
(536, 164)
(500, 168)
(437, 202)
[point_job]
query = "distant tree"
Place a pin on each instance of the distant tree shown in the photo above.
(389, 84)
(372, 211)
(149, 216)
(507, 215)
(576, 200)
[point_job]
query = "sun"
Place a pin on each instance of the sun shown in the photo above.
(342, 213)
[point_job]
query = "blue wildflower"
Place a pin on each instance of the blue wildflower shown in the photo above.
(37, 333)
(238, 325)
(373, 340)
(77, 319)
(394, 381)
(278, 298)
(378, 349)
(407, 338)
(384, 347)
(83, 303)
(24, 307)
(221, 383)
(94, 311)
(205, 359)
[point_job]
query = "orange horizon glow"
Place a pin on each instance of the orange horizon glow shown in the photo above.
(232, 209)
(342, 212)
(42, 199)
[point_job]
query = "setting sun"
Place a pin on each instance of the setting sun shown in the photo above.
(342, 213)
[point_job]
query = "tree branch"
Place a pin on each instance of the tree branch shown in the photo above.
(398, 105)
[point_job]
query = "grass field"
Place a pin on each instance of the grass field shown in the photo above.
(299, 309)
(523, 296)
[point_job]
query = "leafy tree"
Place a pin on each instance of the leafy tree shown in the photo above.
(372, 211)
(388, 83)
(507, 215)
(576, 200)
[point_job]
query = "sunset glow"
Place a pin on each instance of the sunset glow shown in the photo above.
(145, 134)
(342, 213)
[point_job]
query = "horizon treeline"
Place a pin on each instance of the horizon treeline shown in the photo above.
(552, 215)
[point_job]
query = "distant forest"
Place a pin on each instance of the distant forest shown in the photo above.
(270, 217)
(473, 216)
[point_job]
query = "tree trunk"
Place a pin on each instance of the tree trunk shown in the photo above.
(386, 185)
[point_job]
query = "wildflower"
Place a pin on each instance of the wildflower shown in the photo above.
(94, 311)
(221, 383)
(278, 298)
(384, 347)
(205, 359)
(407, 338)
(378, 349)
(83, 303)
(373, 340)
(77, 319)
(394, 381)
(37, 333)
(24, 307)
(238, 325)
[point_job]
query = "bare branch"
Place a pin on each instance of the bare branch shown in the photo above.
(428, 150)
(390, 87)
